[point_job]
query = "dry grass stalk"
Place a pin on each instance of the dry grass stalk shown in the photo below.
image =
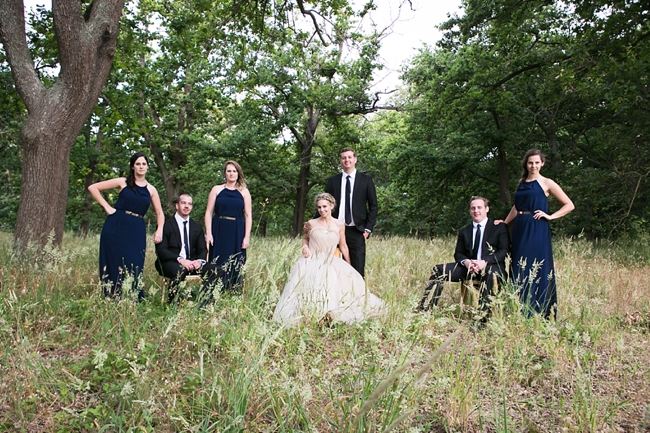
(230, 367)
(384, 384)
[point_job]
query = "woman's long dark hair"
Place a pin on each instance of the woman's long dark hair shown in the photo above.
(130, 178)
(524, 162)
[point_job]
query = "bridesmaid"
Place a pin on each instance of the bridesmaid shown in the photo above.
(228, 223)
(532, 253)
(123, 240)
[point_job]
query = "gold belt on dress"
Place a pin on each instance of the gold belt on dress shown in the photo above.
(128, 212)
(524, 212)
(221, 217)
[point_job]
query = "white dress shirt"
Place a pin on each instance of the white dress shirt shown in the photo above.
(480, 246)
(343, 202)
(181, 227)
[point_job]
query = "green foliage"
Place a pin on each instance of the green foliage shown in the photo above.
(301, 80)
(12, 115)
(508, 76)
(196, 82)
(42, 41)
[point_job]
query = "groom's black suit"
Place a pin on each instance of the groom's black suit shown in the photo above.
(364, 214)
(495, 246)
(169, 250)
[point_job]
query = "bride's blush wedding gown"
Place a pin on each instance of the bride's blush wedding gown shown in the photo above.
(324, 284)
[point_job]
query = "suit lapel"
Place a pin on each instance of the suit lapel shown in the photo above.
(487, 232)
(486, 236)
(337, 187)
(466, 234)
(176, 232)
(355, 190)
(193, 231)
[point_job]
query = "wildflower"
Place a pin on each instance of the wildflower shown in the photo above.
(100, 358)
(127, 390)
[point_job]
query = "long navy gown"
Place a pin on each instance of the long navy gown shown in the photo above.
(532, 253)
(228, 230)
(123, 241)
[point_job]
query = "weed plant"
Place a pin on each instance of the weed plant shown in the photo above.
(74, 361)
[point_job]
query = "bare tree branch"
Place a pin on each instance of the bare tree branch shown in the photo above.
(522, 70)
(312, 14)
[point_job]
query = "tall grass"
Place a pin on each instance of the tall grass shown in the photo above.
(74, 361)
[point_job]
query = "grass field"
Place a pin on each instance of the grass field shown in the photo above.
(73, 361)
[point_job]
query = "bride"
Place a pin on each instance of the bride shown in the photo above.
(321, 284)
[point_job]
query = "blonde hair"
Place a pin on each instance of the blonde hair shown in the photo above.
(478, 197)
(325, 196)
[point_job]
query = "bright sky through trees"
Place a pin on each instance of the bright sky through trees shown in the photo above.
(414, 26)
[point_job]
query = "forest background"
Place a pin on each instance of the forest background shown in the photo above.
(281, 86)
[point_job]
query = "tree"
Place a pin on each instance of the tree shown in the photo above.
(302, 77)
(165, 82)
(569, 78)
(86, 41)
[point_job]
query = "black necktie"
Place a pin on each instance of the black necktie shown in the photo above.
(348, 205)
(477, 241)
(186, 240)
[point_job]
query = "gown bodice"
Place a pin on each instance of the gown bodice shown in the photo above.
(530, 196)
(230, 202)
(137, 201)
(324, 239)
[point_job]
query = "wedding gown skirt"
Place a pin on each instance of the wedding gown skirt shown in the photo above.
(324, 284)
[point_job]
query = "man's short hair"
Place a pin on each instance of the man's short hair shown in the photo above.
(178, 199)
(348, 149)
(486, 203)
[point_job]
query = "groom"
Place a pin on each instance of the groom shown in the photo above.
(356, 201)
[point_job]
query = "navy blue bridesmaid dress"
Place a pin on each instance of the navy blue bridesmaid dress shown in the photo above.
(532, 253)
(228, 231)
(123, 242)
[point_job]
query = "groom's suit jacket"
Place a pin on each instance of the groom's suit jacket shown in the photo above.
(364, 200)
(494, 246)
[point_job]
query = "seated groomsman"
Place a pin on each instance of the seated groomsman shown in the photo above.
(480, 253)
(183, 252)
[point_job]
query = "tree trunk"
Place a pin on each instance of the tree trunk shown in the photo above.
(301, 194)
(504, 178)
(86, 46)
(262, 227)
(84, 226)
(47, 139)
(172, 187)
(175, 158)
(550, 130)
(44, 187)
(306, 146)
